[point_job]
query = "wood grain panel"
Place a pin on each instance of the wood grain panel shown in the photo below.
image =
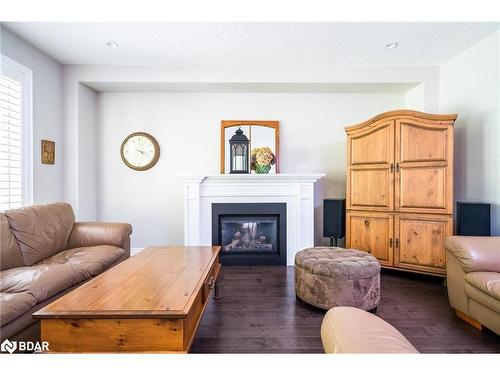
(374, 188)
(375, 146)
(424, 158)
(421, 241)
(370, 163)
(422, 142)
(431, 194)
(112, 335)
(371, 232)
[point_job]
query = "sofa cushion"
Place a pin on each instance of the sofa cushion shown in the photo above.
(13, 305)
(41, 281)
(488, 282)
(41, 230)
(484, 288)
(10, 254)
(92, 259)
(57, 273)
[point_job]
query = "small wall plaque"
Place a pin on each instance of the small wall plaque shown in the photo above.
(48, 152)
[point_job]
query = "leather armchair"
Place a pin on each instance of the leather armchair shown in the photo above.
(473, 279)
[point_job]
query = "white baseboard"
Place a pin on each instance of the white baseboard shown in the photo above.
(135, 250)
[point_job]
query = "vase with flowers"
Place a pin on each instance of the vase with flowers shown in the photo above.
(262, 159)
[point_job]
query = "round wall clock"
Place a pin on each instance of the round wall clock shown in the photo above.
(140, 151)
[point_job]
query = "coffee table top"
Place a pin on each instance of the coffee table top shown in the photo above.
(160, 281)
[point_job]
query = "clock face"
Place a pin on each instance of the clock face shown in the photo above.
(140, 151)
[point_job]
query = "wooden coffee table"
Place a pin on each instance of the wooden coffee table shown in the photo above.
(152, 302)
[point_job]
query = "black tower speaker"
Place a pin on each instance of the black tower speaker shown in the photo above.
(334, 219)
(473, 219)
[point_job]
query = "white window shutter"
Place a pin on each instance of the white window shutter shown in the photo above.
(11, 143)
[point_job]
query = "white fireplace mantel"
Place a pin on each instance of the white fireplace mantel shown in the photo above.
(295, 190)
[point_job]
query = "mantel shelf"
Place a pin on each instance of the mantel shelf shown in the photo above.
(260, 178)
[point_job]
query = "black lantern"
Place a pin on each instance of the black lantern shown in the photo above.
(238, 144)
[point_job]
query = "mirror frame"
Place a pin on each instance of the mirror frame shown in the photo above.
(233, 123)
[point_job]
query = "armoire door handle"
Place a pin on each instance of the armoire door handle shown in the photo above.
(390, 242)
(397, 242)
(392, 167)
(397, 167)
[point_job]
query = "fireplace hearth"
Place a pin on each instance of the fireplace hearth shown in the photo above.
(250, 233)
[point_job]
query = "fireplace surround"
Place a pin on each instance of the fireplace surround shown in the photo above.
(295, 190)
(252, 234)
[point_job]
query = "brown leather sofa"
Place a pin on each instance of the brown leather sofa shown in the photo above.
(473, 279)
(44, 254)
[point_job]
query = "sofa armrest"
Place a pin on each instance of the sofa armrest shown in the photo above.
(95, 233)
(475, 253)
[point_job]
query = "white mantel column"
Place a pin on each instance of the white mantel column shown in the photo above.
(192, 210)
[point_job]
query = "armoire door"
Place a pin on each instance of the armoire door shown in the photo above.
(371, 232)
(424, 167)
(370, 166)
(419, 242)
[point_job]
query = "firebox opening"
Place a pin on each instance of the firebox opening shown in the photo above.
(250, 233)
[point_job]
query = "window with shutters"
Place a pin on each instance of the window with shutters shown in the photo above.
(15, 135)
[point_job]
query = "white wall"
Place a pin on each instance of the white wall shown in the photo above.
(415, 98)
(470, 86)
(187, 125)
(48, 180)
(75, 76)
(87, 153)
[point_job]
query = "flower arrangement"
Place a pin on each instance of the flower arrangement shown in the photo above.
(261, 159)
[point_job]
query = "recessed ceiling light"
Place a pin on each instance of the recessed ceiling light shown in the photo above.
(112, 44)
(392, 45)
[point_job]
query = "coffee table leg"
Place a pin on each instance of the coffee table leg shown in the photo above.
(217, 295)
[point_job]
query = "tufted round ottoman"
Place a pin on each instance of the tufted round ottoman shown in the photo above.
(327, 277)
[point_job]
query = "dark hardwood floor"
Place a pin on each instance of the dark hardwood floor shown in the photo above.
(259, 313)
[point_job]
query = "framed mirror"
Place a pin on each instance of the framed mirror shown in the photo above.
(263, 137)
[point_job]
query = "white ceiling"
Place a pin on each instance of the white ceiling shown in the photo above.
(261, 44)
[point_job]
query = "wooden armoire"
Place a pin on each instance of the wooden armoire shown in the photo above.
(399, 197)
